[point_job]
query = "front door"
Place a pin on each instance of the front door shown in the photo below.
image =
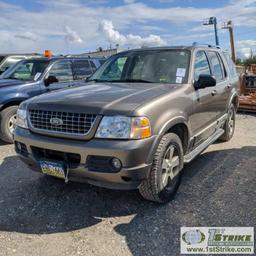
(204, 113)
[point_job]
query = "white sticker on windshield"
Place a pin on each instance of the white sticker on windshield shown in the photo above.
(181, 72)
(178, 79)
(38, 74)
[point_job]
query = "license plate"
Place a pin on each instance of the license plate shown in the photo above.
(53, 169)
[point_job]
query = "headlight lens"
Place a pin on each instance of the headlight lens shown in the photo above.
(123, 127)
(21, 120)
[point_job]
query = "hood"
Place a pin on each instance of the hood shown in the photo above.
(100, 98)
(10, 82)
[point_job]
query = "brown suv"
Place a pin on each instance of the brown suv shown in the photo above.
(143, 114)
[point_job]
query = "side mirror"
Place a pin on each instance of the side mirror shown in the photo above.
(50, 80)
(205, 81)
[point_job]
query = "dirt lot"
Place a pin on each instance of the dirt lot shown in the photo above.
(42, 216)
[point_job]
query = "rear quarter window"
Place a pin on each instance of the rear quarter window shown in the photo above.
(231, 64)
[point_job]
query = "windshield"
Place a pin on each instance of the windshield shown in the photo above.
(149, 66)
(28, 70)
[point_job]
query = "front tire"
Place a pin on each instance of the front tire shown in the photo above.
(229, 126)
(165, 175)
(8, 123)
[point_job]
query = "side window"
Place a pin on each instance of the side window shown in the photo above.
(82, 69)
(201, 65)
(216, 66)
(62, 71)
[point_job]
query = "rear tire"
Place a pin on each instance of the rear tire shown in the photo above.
(8, 123)
(229, 126)
(165, 174)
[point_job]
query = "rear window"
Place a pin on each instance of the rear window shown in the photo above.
(216, 66)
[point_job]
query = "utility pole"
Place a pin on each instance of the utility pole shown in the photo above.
(213, 21)
(229, 26)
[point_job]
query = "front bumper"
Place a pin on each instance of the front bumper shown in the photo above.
(135, 156)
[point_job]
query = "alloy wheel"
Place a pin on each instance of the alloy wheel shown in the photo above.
(170, 166)
(12, 124)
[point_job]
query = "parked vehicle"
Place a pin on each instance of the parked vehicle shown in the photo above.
(8, 60)
(32, 77)
(142, 116)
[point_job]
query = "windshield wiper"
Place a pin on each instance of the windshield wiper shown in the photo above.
(130, 80)
(13, 78)
(127, 80)
(97, 80)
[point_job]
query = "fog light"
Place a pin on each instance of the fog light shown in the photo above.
(116, 163)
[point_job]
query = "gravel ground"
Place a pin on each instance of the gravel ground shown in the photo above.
(43, 216)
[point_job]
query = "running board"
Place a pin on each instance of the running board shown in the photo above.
(189, 157)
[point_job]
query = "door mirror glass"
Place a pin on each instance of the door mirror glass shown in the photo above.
(50, 80)
(205, 81)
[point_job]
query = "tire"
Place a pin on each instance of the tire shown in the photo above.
(7, 118)
(229, 126)
(159, 187)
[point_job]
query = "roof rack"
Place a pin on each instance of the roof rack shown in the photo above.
(208, 45)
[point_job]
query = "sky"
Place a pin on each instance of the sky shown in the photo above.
(78, 26)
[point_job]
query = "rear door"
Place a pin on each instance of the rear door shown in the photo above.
(222, 89)
(62, 70)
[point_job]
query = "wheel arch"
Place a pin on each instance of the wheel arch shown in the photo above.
(182, 131)
(234, 99)
(178, 126)
(10, 103)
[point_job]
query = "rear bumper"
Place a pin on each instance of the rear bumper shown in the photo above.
(134, 155)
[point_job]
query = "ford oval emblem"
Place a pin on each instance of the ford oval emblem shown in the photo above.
(56, 121)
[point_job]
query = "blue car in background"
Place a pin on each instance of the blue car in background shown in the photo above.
(32, 77)
(8, 60)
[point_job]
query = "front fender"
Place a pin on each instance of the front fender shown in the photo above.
(12, 98)
(165, 128)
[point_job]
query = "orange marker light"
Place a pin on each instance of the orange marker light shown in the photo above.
(140, 128)
(48, 54)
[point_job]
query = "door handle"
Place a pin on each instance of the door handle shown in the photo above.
(214, 92)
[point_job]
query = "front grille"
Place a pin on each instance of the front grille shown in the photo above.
(71, 123)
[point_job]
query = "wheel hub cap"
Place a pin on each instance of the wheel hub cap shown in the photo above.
(170, 165)
(12, 124)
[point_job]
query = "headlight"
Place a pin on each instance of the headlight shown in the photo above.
(21, 119)
(123, 127)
